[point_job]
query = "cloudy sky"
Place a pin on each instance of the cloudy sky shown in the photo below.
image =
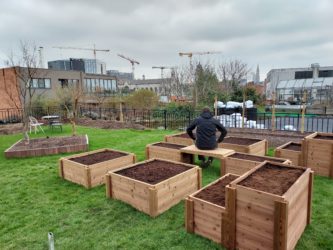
(271, 33)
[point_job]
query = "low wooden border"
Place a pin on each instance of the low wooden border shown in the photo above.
(173, 154)
(296, 157)
(92, 175)
(318, 154)
(258, 148)
(178, 140)
(241, 166)
(267, 221)
(11, 152)
(208, 219)
(153, 199)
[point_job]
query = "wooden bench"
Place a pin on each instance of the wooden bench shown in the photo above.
(218, 153)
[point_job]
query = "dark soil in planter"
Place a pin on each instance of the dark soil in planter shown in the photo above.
(240, 141)
(324, 137)
(216, 193)
(185, 135)
(52, 142)
(254, 158)
(294, 147)
(97, 157)
(272, 179)
(154, 171)
(169, 145)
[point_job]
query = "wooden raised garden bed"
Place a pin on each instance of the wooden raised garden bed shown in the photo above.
(292, 151)
(48, 146)
(206, 211)
(272, 205)
(318, 153)
(181, 138)
(245, 145)
(89, 169)
(239, 163)
(167, 151)
(153, 186)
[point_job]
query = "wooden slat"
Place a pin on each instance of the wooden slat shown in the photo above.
(280, 225)
(310, 194)
(108, 185)
(153, 202)
(189, 215)
(231, 206)
(217, 153)
(199, 177)
(61, 168)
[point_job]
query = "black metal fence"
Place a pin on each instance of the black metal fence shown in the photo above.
(165, 119)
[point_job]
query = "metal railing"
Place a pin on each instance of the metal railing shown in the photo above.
(165, 119)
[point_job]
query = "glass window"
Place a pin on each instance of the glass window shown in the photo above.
(34, 83)
(47, 83)
(41, 83)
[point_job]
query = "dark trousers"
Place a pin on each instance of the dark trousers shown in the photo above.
(203, 158)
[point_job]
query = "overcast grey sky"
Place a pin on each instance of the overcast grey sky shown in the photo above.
(271, 33)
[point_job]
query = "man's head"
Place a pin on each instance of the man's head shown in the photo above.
(206, 109)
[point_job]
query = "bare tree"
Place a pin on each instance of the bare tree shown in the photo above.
(180, 79)
(25, 66)
(69, 97)
(231, 73)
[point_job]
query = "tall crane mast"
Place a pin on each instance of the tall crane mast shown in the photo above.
(132, 61)
(190, 55)
(90, 49)
(162, 68)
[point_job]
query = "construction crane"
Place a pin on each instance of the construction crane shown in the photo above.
(90, 49)
(162, 69)
(132, 61)
(190, 55)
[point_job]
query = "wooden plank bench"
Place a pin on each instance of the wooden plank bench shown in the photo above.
(219, 153)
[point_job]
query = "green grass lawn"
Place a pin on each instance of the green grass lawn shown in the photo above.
(35, 201)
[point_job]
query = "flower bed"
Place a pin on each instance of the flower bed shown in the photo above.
(167, 151)
(181, 138)
(89, 169)
(239, 163)
(153, 186)
(245, 145)
(272, 206)
(206, 211)
(292, 151)
(318, 153)
(48, 146)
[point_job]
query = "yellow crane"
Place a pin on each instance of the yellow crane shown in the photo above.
(132, 61)
(162, 68)
(90, 49)
(190, 55)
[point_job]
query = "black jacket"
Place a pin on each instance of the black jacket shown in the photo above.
(206, 131)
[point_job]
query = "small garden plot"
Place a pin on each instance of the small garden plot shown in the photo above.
(292, 151)
(206, 211)
(318, 153)
(239, 163)
(89, 169)
(245, 145)
(153, 186)
(48, 146)
(182, 139)
(272, 206)
(167, 151)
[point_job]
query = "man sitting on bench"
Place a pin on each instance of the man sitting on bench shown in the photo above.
(205, 138)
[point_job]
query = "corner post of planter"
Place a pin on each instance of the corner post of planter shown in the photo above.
(88, 183)
(153, 202)
(280, 225)
(147, 152)
(199, 177)
(61, 168)
(189, 215)
(310, 194)
(231, 208)
(134, 158)
(108, 185)
(222, 167)
(266, 147)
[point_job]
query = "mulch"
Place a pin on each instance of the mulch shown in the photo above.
(169, 145)
(294, 147)
(254, 157)
(97, 157)
(107, 124)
